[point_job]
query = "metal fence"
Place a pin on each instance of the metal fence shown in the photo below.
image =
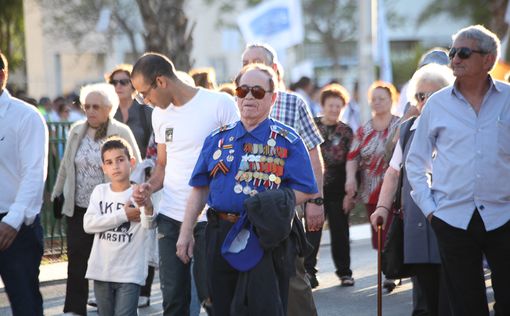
(54, 229)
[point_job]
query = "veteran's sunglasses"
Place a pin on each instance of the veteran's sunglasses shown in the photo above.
(463, 52)
(256, 91)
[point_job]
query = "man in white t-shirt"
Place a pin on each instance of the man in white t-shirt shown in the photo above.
(182, 118)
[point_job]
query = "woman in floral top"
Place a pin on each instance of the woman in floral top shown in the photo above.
(337, 141)
(368, 150)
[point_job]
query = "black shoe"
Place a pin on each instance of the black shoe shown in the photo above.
(312, 278)
(389, 285)
(346, 280)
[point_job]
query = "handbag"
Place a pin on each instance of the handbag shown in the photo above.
(58, 203)
(393, 265)
(392, 257)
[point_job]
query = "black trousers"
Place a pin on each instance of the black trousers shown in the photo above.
(462, 254)
(432, 285)
(267, 294)
(339, 232)
(79, 245)
(19, 269)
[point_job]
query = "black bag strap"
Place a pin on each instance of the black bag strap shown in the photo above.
(145, 125)
(404, 139)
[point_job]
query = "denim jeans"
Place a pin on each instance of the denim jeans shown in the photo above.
(116, 299)
(19, 268)
(175, 276)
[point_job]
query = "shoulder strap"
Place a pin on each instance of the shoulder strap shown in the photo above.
(404, 139)
(145, 125)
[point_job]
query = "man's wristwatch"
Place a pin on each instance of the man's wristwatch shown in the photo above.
(318, 201)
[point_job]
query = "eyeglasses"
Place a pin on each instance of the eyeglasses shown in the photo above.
(95, 107)
(141, 96)
(422, 96)
(463, 52)
(256, 91)
(123, 82)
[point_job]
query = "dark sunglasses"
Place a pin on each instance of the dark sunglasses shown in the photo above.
(463, 52)
(256, 91)
(422, 96)
(123, 82)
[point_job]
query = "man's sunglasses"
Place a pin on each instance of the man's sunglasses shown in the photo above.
(463, 52)
(256, 91)
(422, 96)
(123, 82)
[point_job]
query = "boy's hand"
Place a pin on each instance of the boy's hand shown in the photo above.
(132, 212)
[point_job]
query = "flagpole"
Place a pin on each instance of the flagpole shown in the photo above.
(367, 12)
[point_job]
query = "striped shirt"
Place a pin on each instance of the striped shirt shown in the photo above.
(292, 110)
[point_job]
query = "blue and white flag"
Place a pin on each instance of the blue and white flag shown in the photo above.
(278, 23)
(382, 49)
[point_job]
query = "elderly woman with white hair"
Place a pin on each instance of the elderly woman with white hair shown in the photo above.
(420, 244)
(79, 172)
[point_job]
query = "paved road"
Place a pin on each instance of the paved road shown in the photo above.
(331, 299)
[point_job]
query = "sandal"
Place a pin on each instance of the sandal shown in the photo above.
(346, 280)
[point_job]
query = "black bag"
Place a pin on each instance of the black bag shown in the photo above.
(393, 265)
(58, 203)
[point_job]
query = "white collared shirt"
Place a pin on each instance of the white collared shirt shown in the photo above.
(23, 160)
(471, 166)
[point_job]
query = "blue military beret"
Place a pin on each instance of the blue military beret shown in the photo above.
(241, 247)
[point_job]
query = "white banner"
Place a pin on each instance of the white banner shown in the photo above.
(278, 23)
(382, 54)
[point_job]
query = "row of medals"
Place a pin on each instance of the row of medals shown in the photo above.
(251, 164)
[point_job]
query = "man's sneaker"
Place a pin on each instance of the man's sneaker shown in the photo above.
(92, 302)
(144, 301)
(312, 278)
(346, 280)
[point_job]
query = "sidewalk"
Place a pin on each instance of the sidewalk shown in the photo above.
(55, 272)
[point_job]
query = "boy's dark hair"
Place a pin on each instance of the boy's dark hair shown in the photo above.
(116, 142)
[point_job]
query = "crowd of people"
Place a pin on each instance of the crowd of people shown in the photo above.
(225, 188)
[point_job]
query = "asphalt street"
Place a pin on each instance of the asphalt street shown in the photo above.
(331, 299)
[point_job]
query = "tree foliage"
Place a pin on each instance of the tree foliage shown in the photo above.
(490, 13)
(12, 39)
(163, 26)
(167, 30)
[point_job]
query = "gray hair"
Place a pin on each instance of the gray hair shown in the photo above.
(106, 91)
(271, 56)
(488, 42)
(436, 74)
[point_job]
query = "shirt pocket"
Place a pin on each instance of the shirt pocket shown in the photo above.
(504, 136)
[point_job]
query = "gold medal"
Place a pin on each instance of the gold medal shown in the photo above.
(278, 180)
(217, 154)
(272, 177)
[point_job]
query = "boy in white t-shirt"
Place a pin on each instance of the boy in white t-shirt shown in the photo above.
(118, 260)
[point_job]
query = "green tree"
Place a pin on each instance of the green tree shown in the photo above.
(12, 35)
(79, 18)
(490, 13)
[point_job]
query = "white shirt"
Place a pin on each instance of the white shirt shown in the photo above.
(183, 129)
(396, 158)
(120, 249)
(471, 166)
(23, 160)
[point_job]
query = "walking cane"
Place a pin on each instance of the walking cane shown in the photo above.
(379, 265)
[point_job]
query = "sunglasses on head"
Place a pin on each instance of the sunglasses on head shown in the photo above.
(463, 52)
(256, 91)
(422, 96)
(123, 82)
